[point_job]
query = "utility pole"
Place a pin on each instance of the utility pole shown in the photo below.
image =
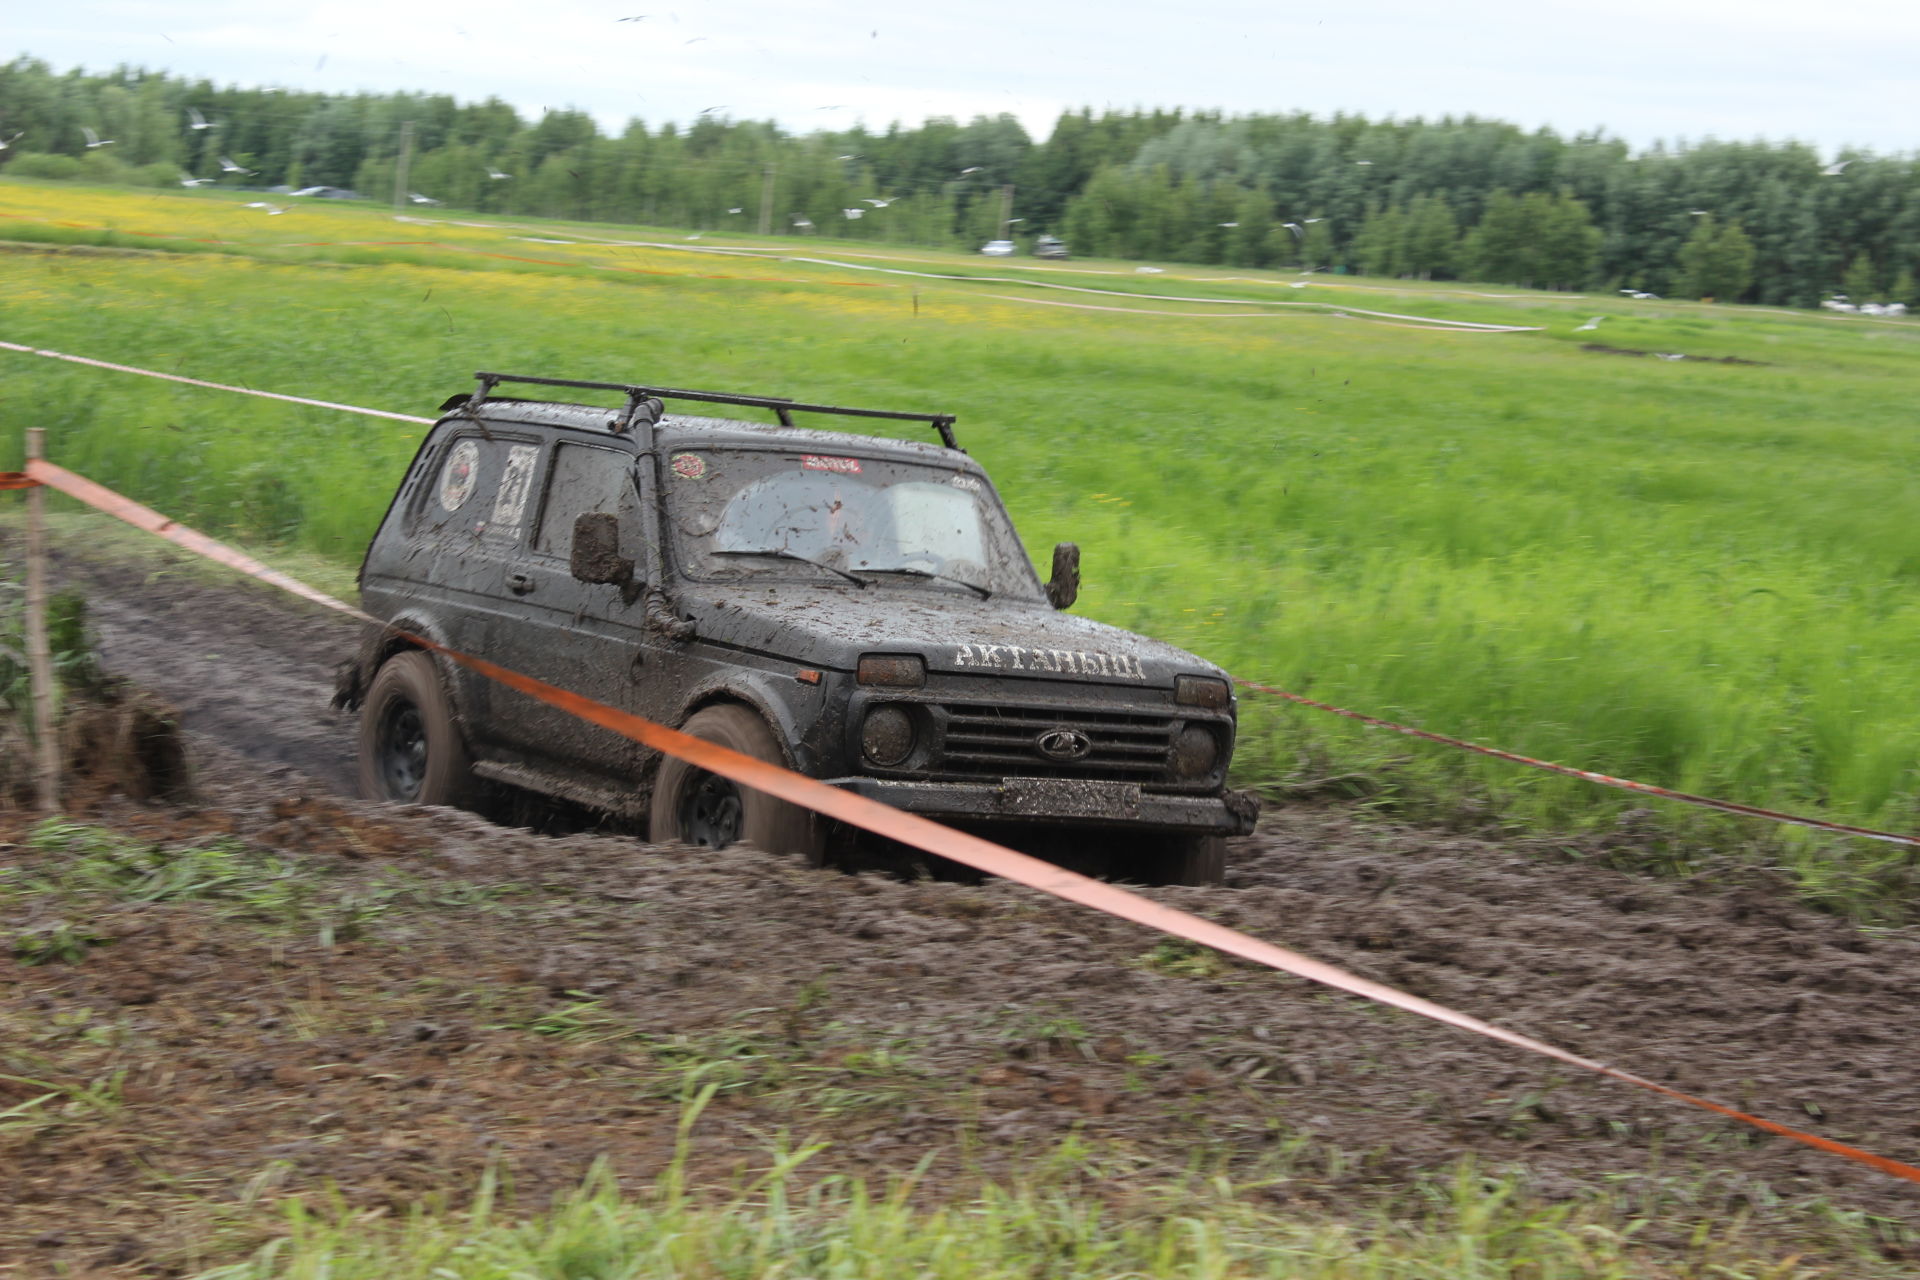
(405, 163)
(766, 201)
(1006, 211)
(39, 654)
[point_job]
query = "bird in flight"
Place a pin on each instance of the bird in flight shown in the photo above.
(1591, 324)
(1835, 169)
(1363, 162)
(417, 198)
(197, 121)
(194, 182)
(878, 204)
(1293, 227)
(638, 17)
(495, 174)
(93, 139)
(228, 166)
(1229, 224)
(854, 213)
(707, 111)
(972, 168)
(10, 141)
(273, 210)
(735, 209)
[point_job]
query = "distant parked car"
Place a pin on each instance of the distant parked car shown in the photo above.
(998, 248)
(1050, 247)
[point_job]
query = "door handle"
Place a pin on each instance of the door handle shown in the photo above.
(519, 583)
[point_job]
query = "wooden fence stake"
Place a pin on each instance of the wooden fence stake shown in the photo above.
(39, 655)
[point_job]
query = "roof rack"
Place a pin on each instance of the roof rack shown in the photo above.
(783, 408)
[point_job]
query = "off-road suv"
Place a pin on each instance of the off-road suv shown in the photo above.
(856, 608)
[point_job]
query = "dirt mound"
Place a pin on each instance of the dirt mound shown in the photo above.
(114, 740)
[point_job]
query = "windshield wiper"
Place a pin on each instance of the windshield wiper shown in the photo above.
(781, 553)
(914, 570)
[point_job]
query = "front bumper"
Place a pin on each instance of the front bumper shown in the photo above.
(1064, 802)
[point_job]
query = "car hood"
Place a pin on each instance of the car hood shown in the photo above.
(830, 627)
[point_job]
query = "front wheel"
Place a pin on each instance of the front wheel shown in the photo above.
(693, 806)
(410, 748)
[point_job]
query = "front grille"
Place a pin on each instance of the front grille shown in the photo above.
(991, 740)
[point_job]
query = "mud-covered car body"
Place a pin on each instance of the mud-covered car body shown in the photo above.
(1002, 708)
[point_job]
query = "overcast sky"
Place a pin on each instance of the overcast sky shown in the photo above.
(1844, 74)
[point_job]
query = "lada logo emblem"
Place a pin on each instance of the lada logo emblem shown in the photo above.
(1065, 745)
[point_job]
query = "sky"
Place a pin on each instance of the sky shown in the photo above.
(1836, 76)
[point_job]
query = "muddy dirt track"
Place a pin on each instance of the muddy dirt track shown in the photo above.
(890, 1018)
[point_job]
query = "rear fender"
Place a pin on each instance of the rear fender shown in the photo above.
(379, 643)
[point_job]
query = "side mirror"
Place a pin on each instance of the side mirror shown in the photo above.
(596, 550)
(1064, 588)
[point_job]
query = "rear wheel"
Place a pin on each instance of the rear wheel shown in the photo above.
(693, 806)
(410, 749)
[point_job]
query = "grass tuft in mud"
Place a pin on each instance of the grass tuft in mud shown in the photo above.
(1053, 1224)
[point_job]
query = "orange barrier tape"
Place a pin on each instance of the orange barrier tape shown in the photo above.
(17, 480)
(932, 837)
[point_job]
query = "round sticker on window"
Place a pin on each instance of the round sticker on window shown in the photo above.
(460, 474)
(689, 466)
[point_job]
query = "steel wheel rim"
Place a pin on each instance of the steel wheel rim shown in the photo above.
(403, 751)
(710, 811)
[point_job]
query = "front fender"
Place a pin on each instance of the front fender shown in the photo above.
(776, 701)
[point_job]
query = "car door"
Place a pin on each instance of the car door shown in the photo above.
(460, 532)
(584, 637)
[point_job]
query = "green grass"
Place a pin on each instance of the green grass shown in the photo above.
(1695, 574)
(1055, 1225)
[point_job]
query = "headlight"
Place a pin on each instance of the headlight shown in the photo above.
(893, 670)
(886, 736)
(1196, 750)
(1201, 691)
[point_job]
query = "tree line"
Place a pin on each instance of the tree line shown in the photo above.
(1453, 198)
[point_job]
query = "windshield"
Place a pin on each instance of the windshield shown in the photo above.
(747, 513)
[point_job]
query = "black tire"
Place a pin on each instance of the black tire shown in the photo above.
(692, 806)
(1187, 860)
(410, 749)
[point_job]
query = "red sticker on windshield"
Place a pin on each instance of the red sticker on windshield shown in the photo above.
(845, 466)
(689, 466)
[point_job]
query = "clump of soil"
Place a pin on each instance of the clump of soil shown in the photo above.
(114, 741)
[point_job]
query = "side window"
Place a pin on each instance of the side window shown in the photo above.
(459, 490)
(477, 490)
(583, 479)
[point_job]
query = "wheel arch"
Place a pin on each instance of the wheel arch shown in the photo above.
(378, 645)
(755, 697)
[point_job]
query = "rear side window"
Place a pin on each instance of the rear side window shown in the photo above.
(478, 489)
(585, 479)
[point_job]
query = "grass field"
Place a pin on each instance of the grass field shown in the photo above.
(1695, 573)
